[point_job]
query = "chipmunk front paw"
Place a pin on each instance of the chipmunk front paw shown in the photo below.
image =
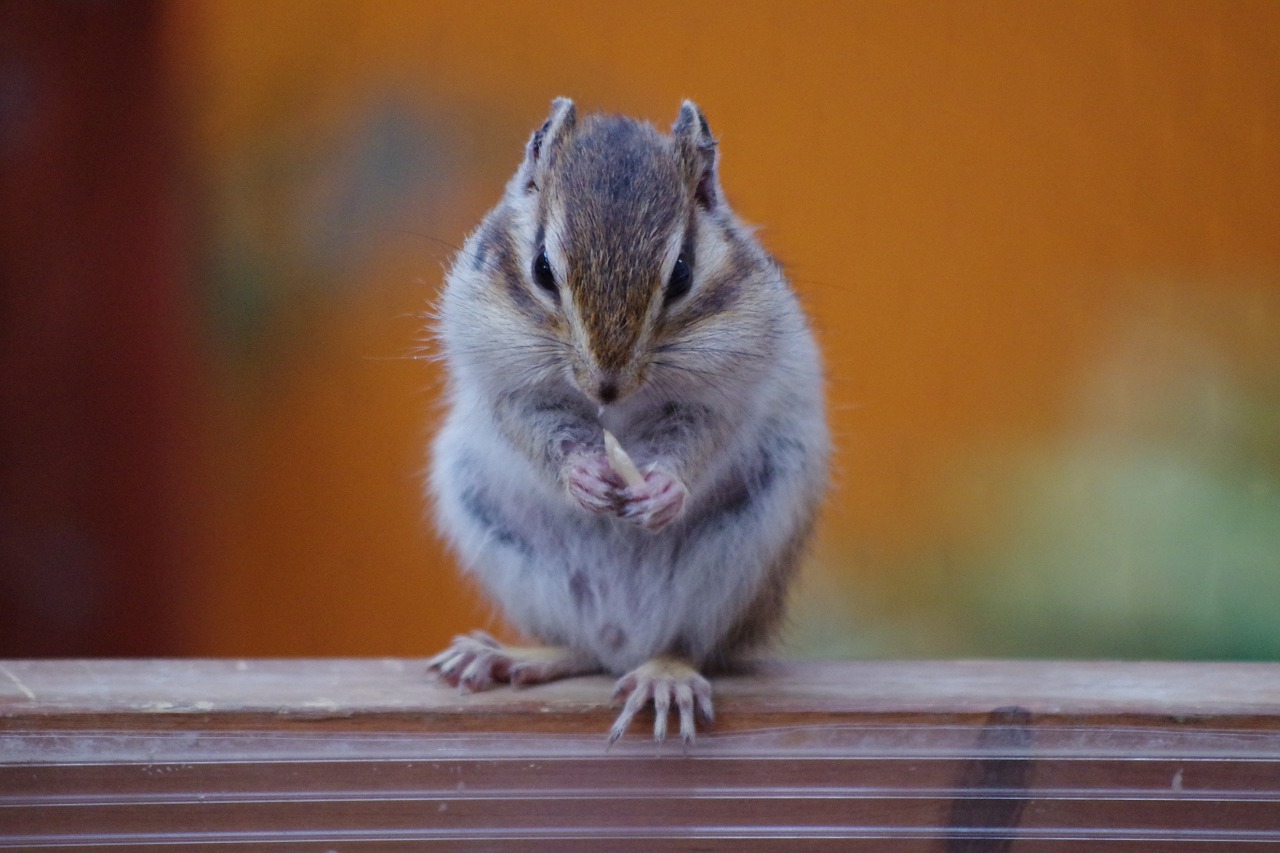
(655, 503)
(593, 483)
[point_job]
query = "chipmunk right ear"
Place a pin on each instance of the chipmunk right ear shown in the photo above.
(696, 148)
(541, 151)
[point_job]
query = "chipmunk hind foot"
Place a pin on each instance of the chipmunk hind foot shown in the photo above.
(664, 682)
(477, 661)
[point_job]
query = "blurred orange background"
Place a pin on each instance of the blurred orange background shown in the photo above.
(1040, 244)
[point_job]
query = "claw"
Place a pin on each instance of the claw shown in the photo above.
(479, 674)
(638, 698)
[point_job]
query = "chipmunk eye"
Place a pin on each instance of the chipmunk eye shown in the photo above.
(681, 279)
(542, 274)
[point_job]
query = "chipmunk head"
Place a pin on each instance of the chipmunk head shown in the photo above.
(613, 210)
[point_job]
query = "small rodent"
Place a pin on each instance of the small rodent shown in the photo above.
(613, 288)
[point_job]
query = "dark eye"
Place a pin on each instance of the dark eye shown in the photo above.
(542, 274)
(681, 279)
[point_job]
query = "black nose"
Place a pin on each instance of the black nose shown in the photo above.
(608, 392)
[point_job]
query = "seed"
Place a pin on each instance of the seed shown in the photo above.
(621, 462)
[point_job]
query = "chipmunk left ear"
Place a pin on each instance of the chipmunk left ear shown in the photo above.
(699, 156)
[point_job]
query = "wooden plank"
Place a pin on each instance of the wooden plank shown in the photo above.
(370, 754)
(147, 692)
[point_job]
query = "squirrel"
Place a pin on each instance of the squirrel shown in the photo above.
(613, 291)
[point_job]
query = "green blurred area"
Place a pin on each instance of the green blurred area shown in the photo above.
(1148, 528)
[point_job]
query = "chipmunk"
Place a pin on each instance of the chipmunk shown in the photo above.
(613, 289)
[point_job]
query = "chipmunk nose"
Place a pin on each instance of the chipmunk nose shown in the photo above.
(603, 386)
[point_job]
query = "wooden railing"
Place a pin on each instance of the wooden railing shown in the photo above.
(371, 754)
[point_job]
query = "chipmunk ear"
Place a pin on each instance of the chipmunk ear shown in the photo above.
(696, 148)
(541, 150)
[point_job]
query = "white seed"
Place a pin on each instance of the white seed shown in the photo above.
(621, 462)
